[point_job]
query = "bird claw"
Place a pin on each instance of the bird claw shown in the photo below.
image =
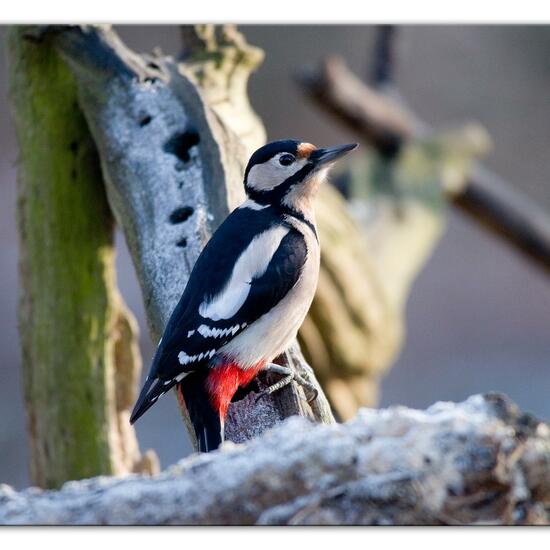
(289, 376)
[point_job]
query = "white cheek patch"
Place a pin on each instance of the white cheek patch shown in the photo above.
(251, 264)
(270, 174)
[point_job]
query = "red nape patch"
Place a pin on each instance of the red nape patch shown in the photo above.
(223, 382)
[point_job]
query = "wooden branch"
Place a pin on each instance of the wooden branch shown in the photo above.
(79, 360)
(387, 125)
(482, 461)
(505, 212)
(220, 62)
(367, 112)
(173, 171)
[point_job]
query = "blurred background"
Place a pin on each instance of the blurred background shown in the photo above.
(478, 317)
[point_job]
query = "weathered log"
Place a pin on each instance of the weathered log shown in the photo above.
(388, 125)
(173, 171)
(79, 356)
(478, 462)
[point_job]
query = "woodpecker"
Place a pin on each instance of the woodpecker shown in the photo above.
(248, 292)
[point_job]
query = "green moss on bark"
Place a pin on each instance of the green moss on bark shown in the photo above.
(66, 269)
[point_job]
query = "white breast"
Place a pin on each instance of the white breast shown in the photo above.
(272, 333)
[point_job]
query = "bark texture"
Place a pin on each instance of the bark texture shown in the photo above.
(80, 360)
(482, 461)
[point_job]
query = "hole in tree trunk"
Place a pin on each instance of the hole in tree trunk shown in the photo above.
(180, 144)
(179, 215)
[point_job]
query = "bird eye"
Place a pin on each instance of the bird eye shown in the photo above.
(286, 159)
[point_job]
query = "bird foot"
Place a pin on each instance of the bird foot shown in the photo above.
(289, 375)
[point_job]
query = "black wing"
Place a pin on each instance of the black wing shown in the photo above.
(183, 334)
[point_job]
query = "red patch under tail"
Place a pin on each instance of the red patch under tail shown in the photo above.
(224, 380)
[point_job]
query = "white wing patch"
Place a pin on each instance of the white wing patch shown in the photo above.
(251, 264)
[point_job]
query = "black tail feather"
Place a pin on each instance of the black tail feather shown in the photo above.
(209, 437)
(205, 419)
(151, 391)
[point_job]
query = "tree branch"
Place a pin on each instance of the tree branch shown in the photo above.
(386, 125)
(478, 462)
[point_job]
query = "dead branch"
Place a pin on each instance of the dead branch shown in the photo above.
(387, 125)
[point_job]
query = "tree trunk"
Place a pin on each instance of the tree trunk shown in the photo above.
(80, 361)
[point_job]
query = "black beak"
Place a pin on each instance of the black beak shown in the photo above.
(330, 154)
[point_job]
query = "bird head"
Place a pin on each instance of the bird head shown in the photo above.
(289, 172)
